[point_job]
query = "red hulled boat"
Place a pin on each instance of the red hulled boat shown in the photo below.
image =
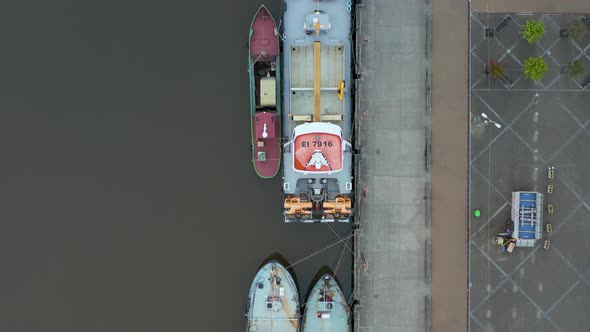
(264, 64)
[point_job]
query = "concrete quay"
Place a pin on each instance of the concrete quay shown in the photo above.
(412, 254)
(392, 272)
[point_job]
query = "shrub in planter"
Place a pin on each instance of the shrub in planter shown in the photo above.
(576, 30)
(495, 69)
(575, 67)
(533, 30)
(534, 68)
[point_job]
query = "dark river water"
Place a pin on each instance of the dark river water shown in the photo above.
(128, 199)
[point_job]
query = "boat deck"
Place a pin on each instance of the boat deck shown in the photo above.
(326, 308)
(266, 150)
(332, 65)
(273, 305)
(302, 82)
(263, 40)
(335, 66)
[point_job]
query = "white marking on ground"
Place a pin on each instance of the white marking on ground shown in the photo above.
(514, 313)
(489, 314)
(540, 287)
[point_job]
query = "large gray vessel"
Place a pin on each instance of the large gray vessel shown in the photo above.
(317, 116)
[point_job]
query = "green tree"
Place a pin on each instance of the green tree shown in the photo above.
(576, 30)
(575, 67)
(534, 68)
(533, 30)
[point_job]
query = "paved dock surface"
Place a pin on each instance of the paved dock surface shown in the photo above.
(392, 274)
(393, 266)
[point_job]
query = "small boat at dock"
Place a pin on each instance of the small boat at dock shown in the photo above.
(273, 301)
(326, 308)
(263, 60)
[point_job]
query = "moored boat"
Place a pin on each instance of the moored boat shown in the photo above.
(317, 111)
(326, 308)
(273, 301)
(263, 60)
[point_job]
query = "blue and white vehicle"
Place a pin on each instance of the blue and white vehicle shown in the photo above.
(527, 217)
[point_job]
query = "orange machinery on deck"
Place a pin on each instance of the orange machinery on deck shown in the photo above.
(340, 208)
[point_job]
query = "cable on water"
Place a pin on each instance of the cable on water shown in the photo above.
(341, 254)
(319, 251)
(340, 237)
(340, 240)
(313, 249)
(351, 299)
(345, 245)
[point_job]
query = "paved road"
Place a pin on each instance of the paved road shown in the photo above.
(543, 124)
(449, 165)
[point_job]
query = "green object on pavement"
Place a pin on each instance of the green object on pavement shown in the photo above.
(477, 213)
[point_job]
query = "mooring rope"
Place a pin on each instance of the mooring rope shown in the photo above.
(319, 251)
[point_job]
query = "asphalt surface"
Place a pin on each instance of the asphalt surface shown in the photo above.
(542, 124)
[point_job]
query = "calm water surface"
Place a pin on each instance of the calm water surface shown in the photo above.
(128, 198)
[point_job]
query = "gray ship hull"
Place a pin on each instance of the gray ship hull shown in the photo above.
(318, 107)
(326, 308)
(273, 301)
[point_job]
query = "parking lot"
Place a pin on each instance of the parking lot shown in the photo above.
(539, 124)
